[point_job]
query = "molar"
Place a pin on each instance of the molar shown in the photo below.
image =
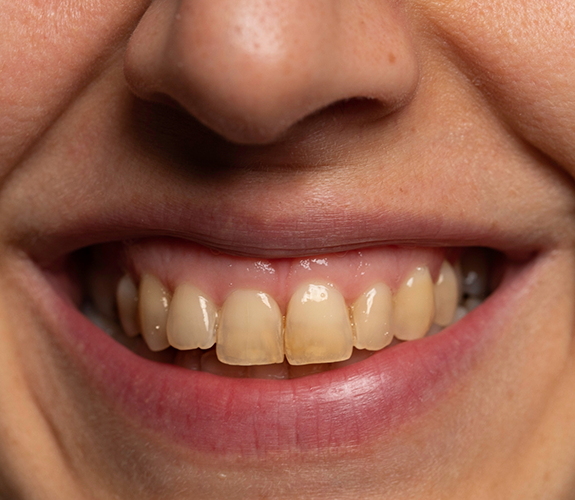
(317, 328)
(371, 318)
(413, 306)
(191, 319)
(154, 302)
(446, 295)
(250, 330)
(127, 301)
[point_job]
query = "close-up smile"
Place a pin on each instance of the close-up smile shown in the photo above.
(287, 249)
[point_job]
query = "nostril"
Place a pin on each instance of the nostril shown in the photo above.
(250, 70)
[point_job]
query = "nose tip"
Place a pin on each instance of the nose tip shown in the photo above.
(251, 69)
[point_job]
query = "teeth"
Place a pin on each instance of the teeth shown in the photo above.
(371, 317)
(317, 328)
(191, 319)
(127, 299)
(318, 332)
(446, 295)
(413, 306)
(474, 273)
(153, 304)
(250, 330)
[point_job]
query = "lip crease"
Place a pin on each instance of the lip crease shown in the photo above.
(339, 408)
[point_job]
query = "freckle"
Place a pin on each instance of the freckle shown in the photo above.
(391, 57)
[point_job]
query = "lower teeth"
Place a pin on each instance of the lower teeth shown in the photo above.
(472, 292)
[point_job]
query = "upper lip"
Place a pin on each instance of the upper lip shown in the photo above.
(270, 232)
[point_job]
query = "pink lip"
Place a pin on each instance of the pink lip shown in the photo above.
(343, 407)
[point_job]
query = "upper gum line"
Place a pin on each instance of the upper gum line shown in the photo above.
(175, 262)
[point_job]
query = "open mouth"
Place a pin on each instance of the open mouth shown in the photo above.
(230, 354)
(179, 303)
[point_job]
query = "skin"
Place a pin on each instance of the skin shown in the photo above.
(469, 119)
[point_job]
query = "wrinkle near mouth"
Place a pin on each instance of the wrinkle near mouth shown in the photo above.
(477, 270)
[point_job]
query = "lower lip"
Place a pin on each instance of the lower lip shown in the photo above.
(339, 408)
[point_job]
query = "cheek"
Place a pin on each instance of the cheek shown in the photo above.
(61, 48)
(519, 57)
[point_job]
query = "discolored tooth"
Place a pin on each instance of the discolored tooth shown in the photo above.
(153, 304)
(446, 295)
(474, 270)
(250, 330)
(317, 329)
(127, 300)
(278, 371)
(191, 319)
(371, 317)
(211, 364)
(413, 306)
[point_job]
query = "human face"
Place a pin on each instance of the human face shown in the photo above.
(265, 146)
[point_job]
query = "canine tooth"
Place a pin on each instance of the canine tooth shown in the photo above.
(127, 299)
(475, 273)
(211, 364)
(278, 371)
(191, 319)
(413, 306)
(371, 317)
(317, 329)
(250, 330)
(446, 295)
(154, 302)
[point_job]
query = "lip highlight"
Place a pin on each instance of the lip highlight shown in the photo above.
(254, 417)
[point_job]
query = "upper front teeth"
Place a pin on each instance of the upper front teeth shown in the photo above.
(318, 327)
(250, 330)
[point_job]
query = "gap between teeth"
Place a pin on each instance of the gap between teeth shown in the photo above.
(249, 331)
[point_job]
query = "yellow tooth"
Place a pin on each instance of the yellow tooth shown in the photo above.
(250, 330)
(446, 295)
(413, 306)
(191, 319)
(154, 302)
(317, 326)
(371, 317)
(127, 300)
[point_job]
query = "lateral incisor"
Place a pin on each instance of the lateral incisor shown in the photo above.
(317, 327)
(192, 319)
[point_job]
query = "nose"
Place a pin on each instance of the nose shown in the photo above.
(251, 69)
